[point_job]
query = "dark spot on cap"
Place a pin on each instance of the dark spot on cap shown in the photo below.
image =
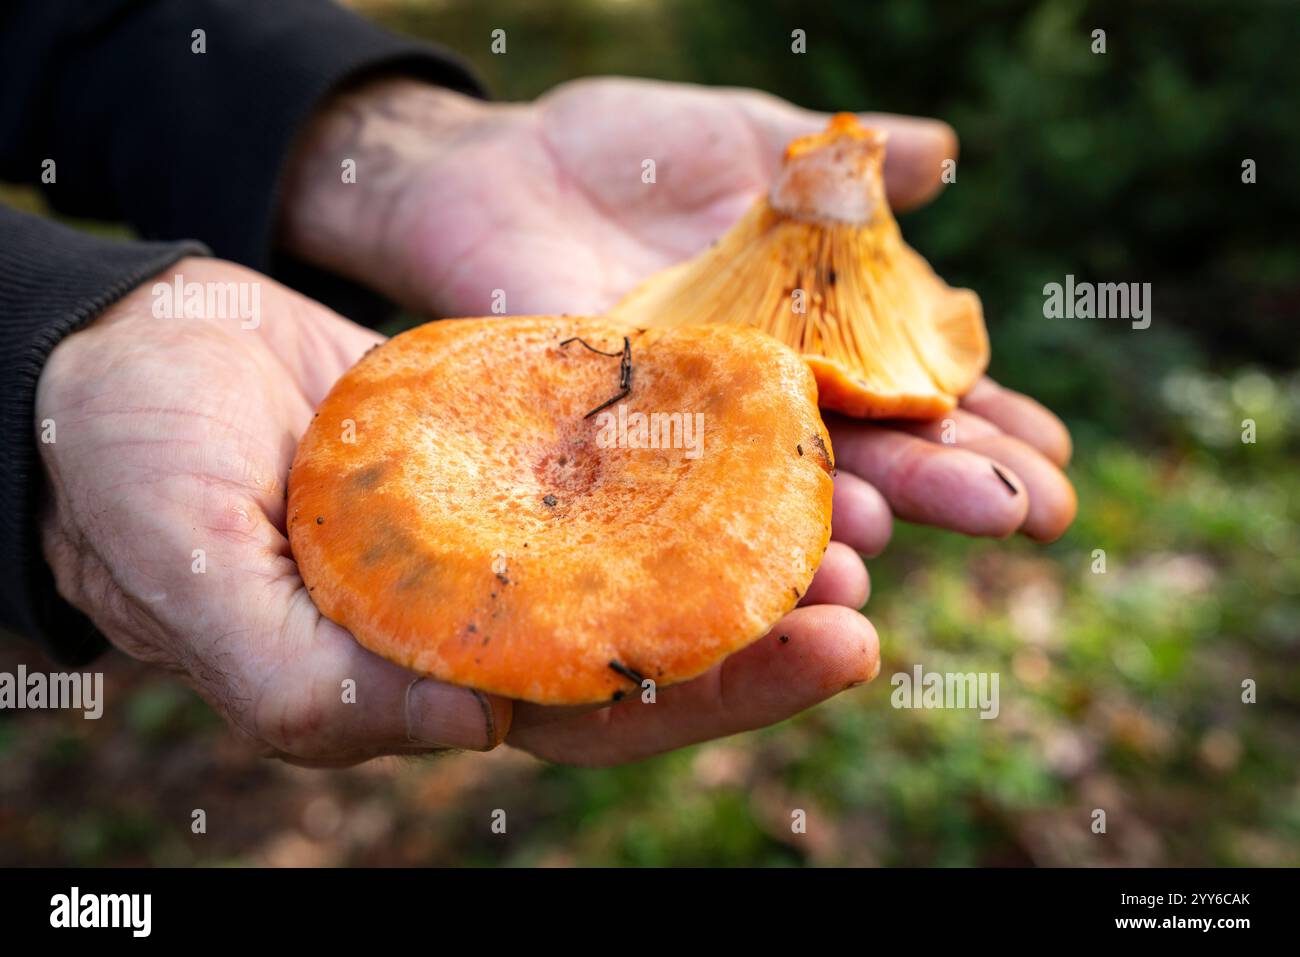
(799, 449)
(414, 575)
(550, 500)
(320, 519)
(376, 552)
(785, 639)
(365, 479)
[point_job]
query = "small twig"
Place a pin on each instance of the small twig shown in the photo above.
(589, 347)
(630, 674)
(624, 370)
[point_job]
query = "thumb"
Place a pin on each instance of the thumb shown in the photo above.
(332, 702)
(914, 154)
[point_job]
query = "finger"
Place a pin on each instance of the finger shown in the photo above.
(813, 654)
(332, 702)
(841, 579)
(1022, 417)
(860, 515)
(1052, 500)
(528, 716)
(930, 484)
(914, 155)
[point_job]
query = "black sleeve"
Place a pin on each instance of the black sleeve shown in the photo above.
(53, 281)
(182, 145)
(177, 143)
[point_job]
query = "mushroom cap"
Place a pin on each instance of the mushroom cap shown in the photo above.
(481, 530)
(820, 264)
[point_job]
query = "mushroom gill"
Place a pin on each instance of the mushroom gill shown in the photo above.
(820, 264)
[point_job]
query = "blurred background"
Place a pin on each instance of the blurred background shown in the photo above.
(1119, 690)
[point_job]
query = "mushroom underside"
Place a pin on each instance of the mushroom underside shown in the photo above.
(884, 336)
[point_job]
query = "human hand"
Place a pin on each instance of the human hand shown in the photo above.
(545, 201)
(166, 525)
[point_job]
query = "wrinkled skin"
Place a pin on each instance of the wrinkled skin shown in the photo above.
(176, 435)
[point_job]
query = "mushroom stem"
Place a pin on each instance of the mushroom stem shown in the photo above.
(835, 176)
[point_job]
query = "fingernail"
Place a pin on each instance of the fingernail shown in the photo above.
(442, 715)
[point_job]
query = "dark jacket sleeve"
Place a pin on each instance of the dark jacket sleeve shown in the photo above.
(53, 281)
(178, 143)
(185, 146)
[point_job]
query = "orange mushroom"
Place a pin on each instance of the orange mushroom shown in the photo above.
(820, 264)
(476, 500)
